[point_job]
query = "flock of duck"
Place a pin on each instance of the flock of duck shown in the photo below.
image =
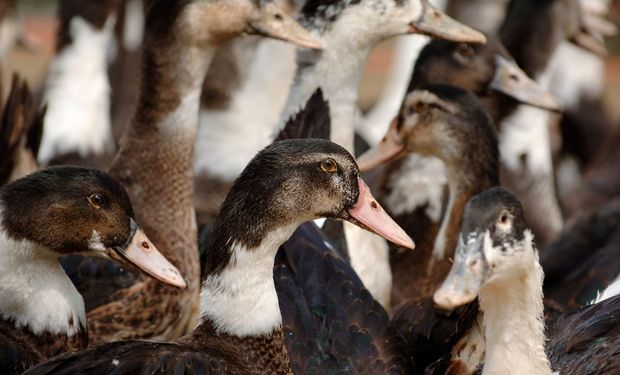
(233, 231)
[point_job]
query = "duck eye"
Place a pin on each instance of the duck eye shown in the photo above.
(329, 166)
(419, 106)
(465, 50)
(96, 200)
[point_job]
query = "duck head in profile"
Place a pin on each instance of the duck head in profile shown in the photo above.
(79, 210)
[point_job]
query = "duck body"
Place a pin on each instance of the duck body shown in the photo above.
(240, 329)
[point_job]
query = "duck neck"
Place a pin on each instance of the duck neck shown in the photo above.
(337, 71)
(35, 292)
(514, 322)
(238, 295)
(155, 159)
(467, 177)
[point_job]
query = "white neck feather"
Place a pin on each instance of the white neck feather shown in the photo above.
(77, 94)
(35, 292)
(337, 71)
(246, 126)
(242, 299)
(514, 320)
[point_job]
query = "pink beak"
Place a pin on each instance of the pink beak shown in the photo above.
(374, 218)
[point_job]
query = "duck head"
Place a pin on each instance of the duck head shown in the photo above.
(435, 120)
(494, 247)
(374, 20)
(79, 210)
(209, 22)
(294, 181)
(481, 69)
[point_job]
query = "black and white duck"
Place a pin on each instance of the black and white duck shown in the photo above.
(496, 261)
(48, 214)
(286, 184)
(155, 161)
(452, 125)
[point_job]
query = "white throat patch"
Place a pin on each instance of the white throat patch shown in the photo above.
(35, 292)
(242, 299)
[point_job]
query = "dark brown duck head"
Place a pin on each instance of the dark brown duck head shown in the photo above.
(294, 181)
(487, 70)
(78, 210)
(442, 121)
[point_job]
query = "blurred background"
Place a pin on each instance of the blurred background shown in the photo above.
(37, 25)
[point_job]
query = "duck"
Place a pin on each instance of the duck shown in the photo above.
(337, 72)
(533, 33)
(45, 215)
(77, 126)
(155, 158)
(20, 132)
(286, 184)
(497, 262)
(449, 123)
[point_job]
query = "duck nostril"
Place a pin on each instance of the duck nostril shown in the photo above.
(374, 205)
(278, 16)
(145, 245)
(514, 77)
(436, 14)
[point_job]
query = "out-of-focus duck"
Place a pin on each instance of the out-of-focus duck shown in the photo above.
(452, 125)
(45, 215)
(286, 184)
(497, 262)
(20, 132)
(155, 160)
(77, 126)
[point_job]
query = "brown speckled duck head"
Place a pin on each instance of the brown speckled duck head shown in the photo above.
(210, 22)
(494, 246)
(439, 120)
(486, 70)
(78, 210)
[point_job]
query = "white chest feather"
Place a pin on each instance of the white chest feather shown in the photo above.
(242, 299)
(35, 292)
(369, 256)
(77, 93)
(228, 139)
(420, 181)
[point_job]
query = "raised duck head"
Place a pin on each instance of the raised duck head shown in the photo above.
(294, 181)
(373, 21)
(487, 70)
(494, 247)
(439, 120)
(77, 210)
(210, 22)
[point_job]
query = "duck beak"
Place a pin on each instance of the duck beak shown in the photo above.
(141, 252)
(369, 215)
(271, 21)
(390, 147)
(510, 80)
(434, 23)
(468, 273)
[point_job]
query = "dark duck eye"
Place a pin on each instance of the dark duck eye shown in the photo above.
(465, 50)
(329, 166)
(96, 200)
